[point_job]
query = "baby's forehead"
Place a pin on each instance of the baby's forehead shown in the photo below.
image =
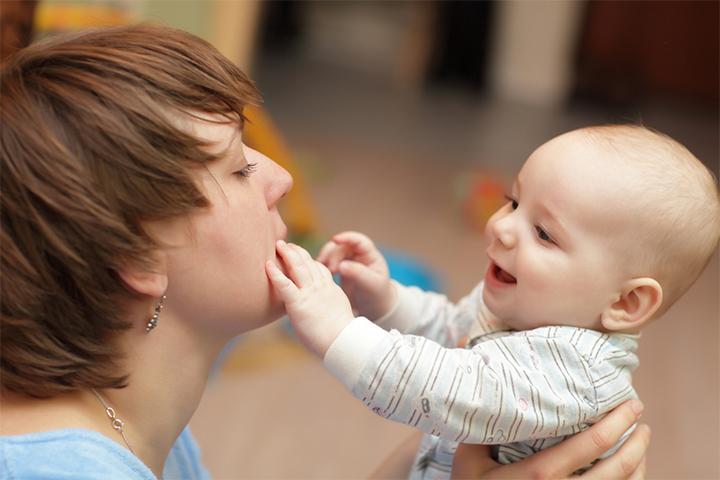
(604, 162)
(584, 183)
(573, 162)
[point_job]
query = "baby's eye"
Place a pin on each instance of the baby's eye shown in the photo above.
(513, 203)
(542, 235)
(247, 170)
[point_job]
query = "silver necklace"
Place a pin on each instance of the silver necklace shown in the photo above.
(115, 422)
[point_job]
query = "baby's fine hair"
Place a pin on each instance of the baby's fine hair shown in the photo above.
(676, 208)
(91, 147)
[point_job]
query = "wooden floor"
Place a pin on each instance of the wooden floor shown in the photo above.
(388, 164)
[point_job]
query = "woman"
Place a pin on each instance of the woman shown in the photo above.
(136, 226)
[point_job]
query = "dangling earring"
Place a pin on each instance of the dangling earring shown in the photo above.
(152, 323)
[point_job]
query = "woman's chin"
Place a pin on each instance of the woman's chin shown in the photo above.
(277, 313)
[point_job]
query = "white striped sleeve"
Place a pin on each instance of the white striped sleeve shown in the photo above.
(612, 363)
(511, 388)
(432, 315)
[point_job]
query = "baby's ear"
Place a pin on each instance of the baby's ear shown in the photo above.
(639, 300)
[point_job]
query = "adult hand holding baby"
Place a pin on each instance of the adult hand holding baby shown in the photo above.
(559, 461)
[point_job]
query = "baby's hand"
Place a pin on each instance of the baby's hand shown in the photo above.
(317, 307)
(363, 273)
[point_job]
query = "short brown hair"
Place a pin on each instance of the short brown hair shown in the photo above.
(91, 148)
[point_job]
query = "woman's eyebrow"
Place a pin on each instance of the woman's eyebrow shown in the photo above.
(237, 134)
(233, 151)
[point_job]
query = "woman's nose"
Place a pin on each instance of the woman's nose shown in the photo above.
(279, 183)
(273, 180)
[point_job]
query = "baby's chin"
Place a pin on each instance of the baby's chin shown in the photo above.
(514, 323)
(507, 321)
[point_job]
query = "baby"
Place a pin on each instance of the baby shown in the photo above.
(605, 229)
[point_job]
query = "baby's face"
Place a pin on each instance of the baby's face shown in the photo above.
(552, 247)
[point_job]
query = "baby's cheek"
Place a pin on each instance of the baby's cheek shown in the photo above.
(535, 273)
(544, 292)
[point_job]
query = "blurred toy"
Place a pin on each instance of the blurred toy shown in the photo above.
(481, 194)
(410, 271)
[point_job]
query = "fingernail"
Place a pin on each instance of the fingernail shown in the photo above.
(280, 243)
(637, 406)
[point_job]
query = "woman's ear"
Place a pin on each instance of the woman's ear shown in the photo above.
(152, 283)
(638, 302)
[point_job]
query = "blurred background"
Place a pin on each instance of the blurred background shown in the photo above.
(406, 120)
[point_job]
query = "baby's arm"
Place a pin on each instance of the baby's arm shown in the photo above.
(504, 390)
(365, 278)
(432, 315)
(319, 310)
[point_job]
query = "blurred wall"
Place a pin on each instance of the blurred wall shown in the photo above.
(191, 15)
(534, 47)
(230, 25)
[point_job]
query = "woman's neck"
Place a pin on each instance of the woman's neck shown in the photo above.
(169, 371)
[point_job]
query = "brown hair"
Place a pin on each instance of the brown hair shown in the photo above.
(91, 147)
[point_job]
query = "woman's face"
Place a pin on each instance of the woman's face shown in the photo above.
(216, 278)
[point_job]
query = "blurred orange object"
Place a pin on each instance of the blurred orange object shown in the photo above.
(484, 196)
(53, 17)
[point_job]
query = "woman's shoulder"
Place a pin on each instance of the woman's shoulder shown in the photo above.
(67, 453)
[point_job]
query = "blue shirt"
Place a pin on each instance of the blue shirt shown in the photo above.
(80, 454)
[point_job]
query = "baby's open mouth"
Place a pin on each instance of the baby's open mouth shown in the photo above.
(502, 275)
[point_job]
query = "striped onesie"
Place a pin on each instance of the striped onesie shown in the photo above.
(519, 391)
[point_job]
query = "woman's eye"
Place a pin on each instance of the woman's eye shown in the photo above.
(513, 203)
(542, 235)
(247, 170)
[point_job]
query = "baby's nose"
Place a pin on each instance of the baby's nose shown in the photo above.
(502, 231)
(507, 239)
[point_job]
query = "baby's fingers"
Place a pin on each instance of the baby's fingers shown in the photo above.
(313, 268)
(362, 247)
(285, 288)
(299, 266)
(359, 242)
(331, 254)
